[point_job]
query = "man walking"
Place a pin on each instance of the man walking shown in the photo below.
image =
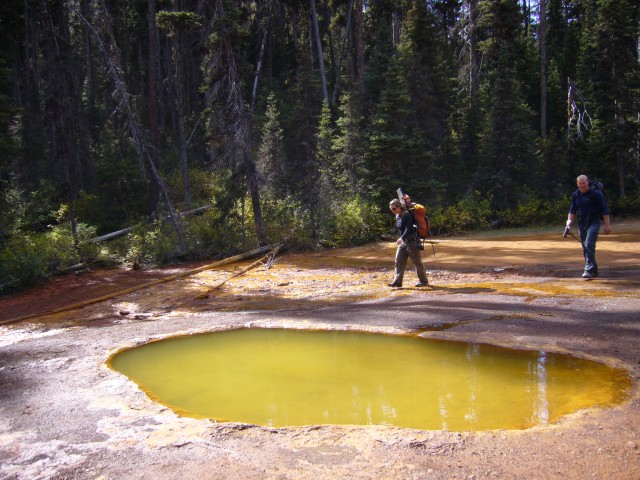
(590, 206)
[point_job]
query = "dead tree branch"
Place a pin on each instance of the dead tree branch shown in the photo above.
(578, 114)
(121, 96)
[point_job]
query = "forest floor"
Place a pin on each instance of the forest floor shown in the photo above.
(65, 414)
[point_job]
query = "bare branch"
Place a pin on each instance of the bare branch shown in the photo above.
(120, 94)
(578, 114)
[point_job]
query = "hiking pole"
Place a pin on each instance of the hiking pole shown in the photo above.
(432, 246)
(567, 231)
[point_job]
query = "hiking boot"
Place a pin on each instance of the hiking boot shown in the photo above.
(422, 284)
(395, 284)
(588, 275)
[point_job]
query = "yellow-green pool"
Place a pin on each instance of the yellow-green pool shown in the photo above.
(284, 377)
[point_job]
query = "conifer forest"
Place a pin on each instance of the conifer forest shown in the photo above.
(156, 131)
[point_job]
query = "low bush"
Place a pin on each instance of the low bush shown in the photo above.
(287, 220)
(28, 259)
(535, 212)
(473, 212)
(629, 205)
(355, 222)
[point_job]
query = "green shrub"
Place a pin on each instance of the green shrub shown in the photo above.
(629, 205)
(24, 262)
(154, 244)
(28, 259)
(473, 212)
(287, 220)
(355, 222)
(535, 212)
(212, 234)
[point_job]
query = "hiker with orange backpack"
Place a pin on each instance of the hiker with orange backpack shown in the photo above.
(408, 245)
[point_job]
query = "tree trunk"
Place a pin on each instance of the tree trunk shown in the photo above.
(234, 120)
(473, 53)
(182, 141)
(619, 148)
(395, 27)
(316, 28)
(252, 178)
(543, 68)
(471, 147)
(137, 134)
(637, 152)
(338, 67)
(359, 45)
(254, 92)
(154, 49)
(526, 10)
(327, 27)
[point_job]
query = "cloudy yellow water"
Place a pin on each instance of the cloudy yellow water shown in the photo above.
(277, 377)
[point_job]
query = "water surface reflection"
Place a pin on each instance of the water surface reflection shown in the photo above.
(277, 377)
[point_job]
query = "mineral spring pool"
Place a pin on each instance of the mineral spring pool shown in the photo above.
(283, 377)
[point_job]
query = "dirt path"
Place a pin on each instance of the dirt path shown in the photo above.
(64, 414)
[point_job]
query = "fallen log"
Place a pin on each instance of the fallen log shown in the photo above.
(226, 261)
(124, 231)
(202, 296)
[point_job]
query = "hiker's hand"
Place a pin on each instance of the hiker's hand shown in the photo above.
(399, 241)
(607, 229)
(569, 223)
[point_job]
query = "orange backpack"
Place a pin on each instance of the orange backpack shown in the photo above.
(419, 214)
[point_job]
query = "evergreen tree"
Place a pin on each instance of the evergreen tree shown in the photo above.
(178, 24)
(380, 51)
(230, 124)
(271, 159)
(430, 92)
(302, 100)
(347, 146)
(507, 138)
(392, 144)
(464, 157)
(325, 194)
(616, 83)
(8, 150)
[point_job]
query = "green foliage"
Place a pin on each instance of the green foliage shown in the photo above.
(535, 211)
(391, 147)
(176, 21)
(120, 196)
(286, 220)
(29, 211)
(347, 146)
(152, 245)
(29, 259)
(629, 205)
(205, 187)
(472, 212)
(8, 149)
(210, 236)
(271, 161)
(354, 222)
(24, 262)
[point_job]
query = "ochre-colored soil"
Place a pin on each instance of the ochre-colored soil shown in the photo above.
(64, 414)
